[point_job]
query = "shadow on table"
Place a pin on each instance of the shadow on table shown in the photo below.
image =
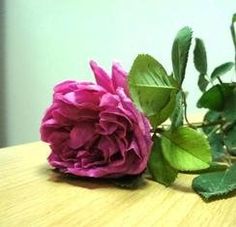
(188, 189)
(182, 188)
(93, 183)
(87, 182)
(177, 186)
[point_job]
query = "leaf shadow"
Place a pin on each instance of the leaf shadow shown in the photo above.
(182, 188)
(178, 186)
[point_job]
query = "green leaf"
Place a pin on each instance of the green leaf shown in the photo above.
(200, 62)
(202, 82)
(161, 108)
(230, 139)
(200, 58)
(229, 111)
(211, 116)
(232, 28)
(158, 167)
(151, 89)
(214, 167)
(215, 184)
(214, 98)
(177, 117)
(221, 70)
(217, 145)
(180, 50)
(186, 149)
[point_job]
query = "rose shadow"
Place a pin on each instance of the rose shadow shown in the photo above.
(85, 182)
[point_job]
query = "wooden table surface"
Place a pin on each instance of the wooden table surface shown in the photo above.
(31, 194)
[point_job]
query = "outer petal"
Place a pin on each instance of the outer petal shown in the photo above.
(65, 87)
(101, 77)
(119, 77)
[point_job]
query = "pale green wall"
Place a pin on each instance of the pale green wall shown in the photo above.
(51, 40)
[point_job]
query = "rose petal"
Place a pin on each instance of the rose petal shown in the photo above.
(107, 146)
(115, 169)
(77, 113)
(48, 113)
(81, 134)
(106, 128)
(87, 159)
(57, 137)
(119, 77)
(80, 98)
(65, 87)
(113, 115)
(55, 161)
(134, 147)
(51, 123)
(122, 144)
(101, 77)
(60, 119)
(129, 109)
(117, 119)
(109, 100)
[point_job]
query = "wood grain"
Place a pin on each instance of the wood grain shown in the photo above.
(31, 194)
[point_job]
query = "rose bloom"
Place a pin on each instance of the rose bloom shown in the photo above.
(94, 130)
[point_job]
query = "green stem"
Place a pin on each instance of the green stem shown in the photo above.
(226, 150)
(233, 33)
(159, 130)
(233, 157)
(221, 82)
(185, 110)
(201, 124)
(209, 124)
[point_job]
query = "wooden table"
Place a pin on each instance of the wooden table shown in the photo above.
(31, 194)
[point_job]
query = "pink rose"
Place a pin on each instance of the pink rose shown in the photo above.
(95, 130)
